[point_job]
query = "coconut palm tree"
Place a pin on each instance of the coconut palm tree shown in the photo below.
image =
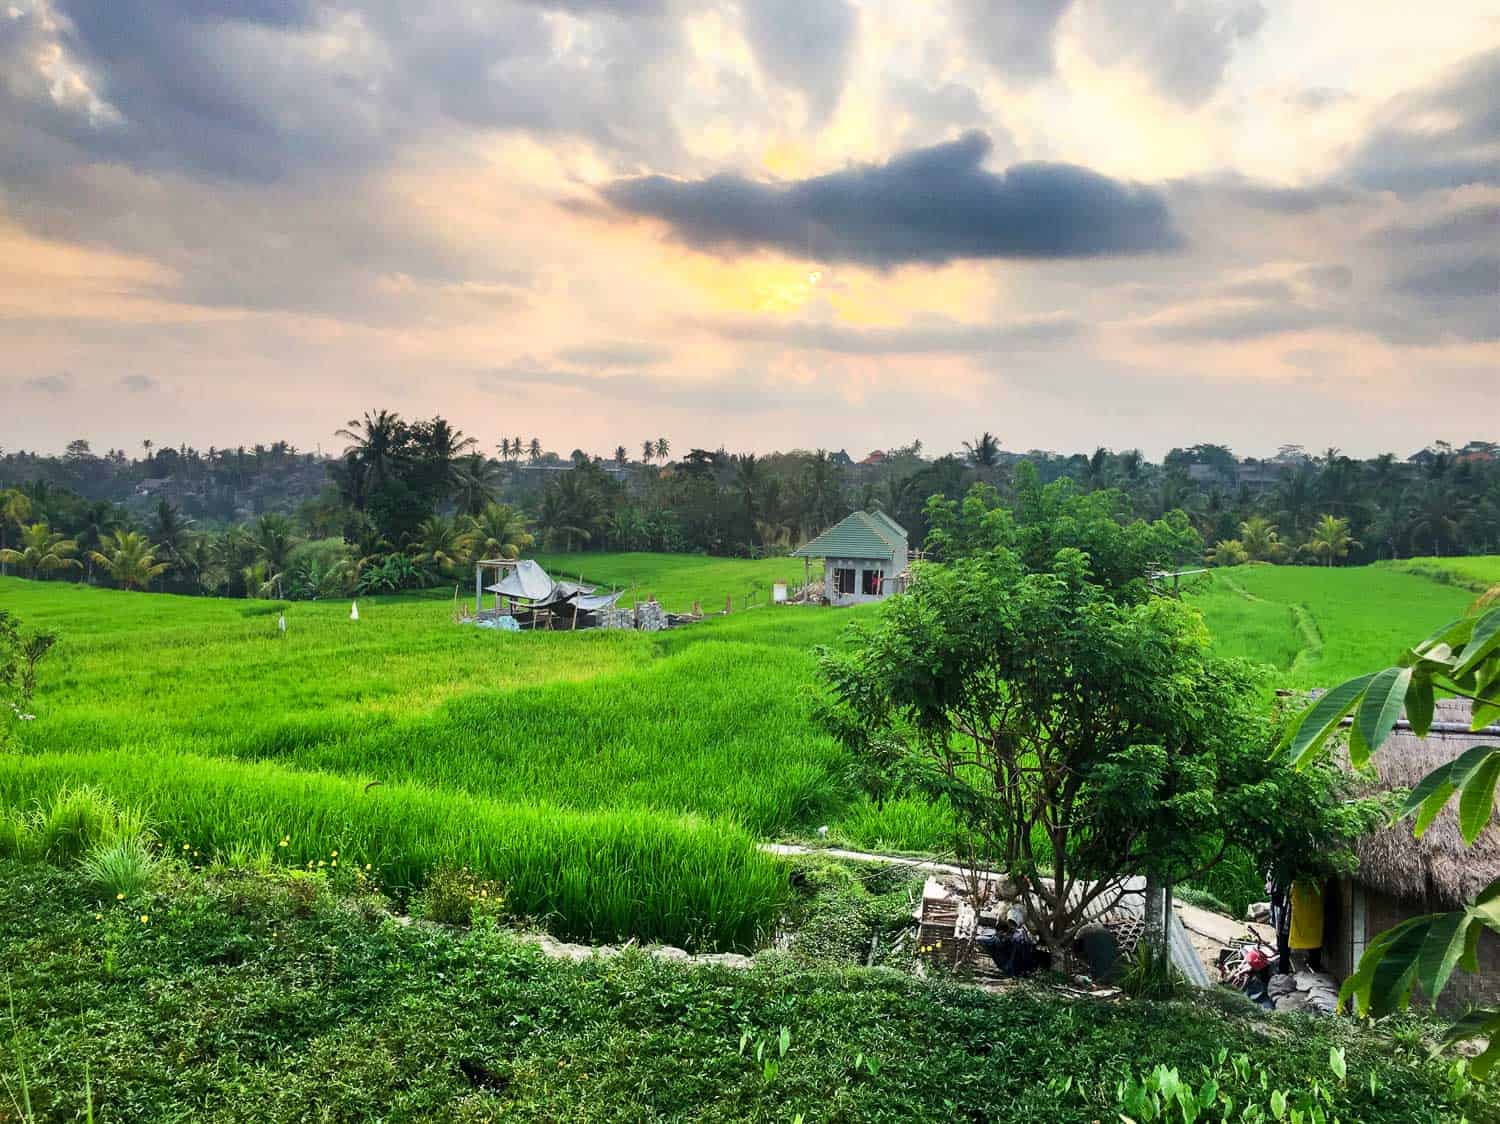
(1260, 540)
(439, 447)
(622, 455)
(129, 560)
(504, 448)
(984, 450)
(170, 533)
(571, 510)
(15, 508)
(476, 481)
(648, 450)
(274, 538)
(534, 450)
(1228, 552)
(42, 551)
(99, 519)
(663, 447)
(1436, 515)
(1330, 539)
(377, 443)
(499, 531)
(442, 543)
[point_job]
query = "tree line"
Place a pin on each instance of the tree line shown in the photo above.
(408, 503)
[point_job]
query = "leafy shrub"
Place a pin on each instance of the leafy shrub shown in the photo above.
(458, 896)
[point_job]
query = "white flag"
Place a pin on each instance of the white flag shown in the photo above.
(354, 610)
(281, 622)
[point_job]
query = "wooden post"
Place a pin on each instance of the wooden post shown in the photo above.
(479, 589)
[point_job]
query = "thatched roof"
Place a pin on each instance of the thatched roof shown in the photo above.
(1437, 869)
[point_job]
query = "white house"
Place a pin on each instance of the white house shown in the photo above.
(864, 558)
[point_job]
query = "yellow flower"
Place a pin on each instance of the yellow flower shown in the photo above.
(335, 854)
(334, 863)
(145, 918)
(367, 866)
(186, 846)
(98, 917)
(119, 897)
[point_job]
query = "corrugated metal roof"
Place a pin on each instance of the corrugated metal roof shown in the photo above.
(859, 535)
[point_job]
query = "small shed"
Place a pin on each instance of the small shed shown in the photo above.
(864, 558)
(1400, 876)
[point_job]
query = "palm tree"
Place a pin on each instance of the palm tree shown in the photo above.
(499, 531)
(171, 532)
(534, 450)
(129, 560)
(648, 450)
(1330, 539)
(476, 482)
(99, 519)
(1436, 515)
(376, 443)
(42, 551)
(663, 447)
(439, 446)
(1096, 472)
(748, 476)
(273, 538)
(1228, 552)
(571, 510)
(15, 507)
(822, 494)
(504, 448)
(441, 542)
(984, 450)
(515, 448)
(622, 455)
(1259, 539)
(1297, 497)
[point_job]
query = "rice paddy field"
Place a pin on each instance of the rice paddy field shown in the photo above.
(617, 783)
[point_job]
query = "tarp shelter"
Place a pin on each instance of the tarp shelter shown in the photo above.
(530, 588)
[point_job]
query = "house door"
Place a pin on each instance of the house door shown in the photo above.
(870, 585)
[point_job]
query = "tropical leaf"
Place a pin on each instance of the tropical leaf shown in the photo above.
(1420, 705)
(1379, 708)
(1477, 804)
(1324, 717)
(1482, 643)
(1433, 790)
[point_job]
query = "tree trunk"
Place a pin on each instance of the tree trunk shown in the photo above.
(1154, 933)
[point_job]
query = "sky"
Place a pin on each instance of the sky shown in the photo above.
(780, 224)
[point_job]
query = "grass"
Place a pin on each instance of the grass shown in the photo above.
(677, 580)
(1478, 575)
(1322, 625)
(274, 998)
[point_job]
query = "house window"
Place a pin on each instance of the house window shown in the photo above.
(843, 581)
(870, 583)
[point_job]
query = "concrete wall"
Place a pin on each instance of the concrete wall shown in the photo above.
(884, 571)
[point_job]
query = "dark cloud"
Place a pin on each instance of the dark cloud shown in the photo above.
(1443, 136)
(931, 205)
(1238, 324)
(56, 384)
(1259, 290)
(936, 339)
(1183, 48)
(1016, 37)
(804, 44)
(1469, 277)
(138, 384)
(1473, 224)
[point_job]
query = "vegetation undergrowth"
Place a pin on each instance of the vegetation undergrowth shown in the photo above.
(276, 996)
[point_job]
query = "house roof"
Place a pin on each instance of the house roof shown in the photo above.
(858, 535)
(1438, 867)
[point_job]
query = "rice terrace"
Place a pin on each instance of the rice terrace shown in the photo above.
(809, 562)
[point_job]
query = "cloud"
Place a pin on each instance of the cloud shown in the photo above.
(1466, 224)
(1471, 277)
(1442, 136)
(930, 205)
(615, 354)
(1315, 98)
(805, 44)
(55, 384)
(1183, 47)
(138, 384)
(1238, 324)
(1017, 37)
(937, 339)
(1270, 198)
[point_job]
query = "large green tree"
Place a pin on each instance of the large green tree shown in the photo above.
(1079, 737)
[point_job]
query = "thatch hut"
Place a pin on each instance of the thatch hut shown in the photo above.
(1401, 876)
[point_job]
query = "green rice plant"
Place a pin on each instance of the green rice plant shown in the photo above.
(80, 818)
(123, 867)
(600, 876)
